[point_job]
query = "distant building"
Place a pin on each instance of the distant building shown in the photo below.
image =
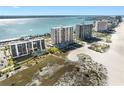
(119, 18)
(62, 35)
(25, 47)
(84, 31)
(112, 23)
(101, 26)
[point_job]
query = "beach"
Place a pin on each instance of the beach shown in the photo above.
(113, 59)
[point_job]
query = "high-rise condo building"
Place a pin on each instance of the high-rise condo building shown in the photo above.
(84, 31)
(101, 26)
(62, 35)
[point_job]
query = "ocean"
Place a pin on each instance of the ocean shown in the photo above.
(19, 27)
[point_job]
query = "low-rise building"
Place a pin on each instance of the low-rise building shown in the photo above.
(26, 47)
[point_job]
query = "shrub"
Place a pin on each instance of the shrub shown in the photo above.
(10, 62)
(53, 50)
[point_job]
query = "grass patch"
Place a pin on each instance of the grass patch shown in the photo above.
(50, 81)
(25, 76)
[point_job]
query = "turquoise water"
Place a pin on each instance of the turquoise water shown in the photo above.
(15, 28)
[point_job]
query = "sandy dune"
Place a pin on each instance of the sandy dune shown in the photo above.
(112, 59)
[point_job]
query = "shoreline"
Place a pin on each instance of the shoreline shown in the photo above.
(14, 39)
(112, 59)
(7, 40)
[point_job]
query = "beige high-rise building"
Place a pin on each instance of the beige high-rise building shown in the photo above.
(101, 26)
(84, 31)
(62, 34)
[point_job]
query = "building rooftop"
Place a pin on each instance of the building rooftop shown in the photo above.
(104, 20)
(25, 40)
(84, 24)
(57, 27)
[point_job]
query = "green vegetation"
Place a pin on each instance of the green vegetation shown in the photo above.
(99, 47)
(25, 76)
(53, 50)
(62, 54)
(53, 79)
(103, 36)
(10, 62)
(108, 39)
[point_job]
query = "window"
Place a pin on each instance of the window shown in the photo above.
(36, 45)
(22, 49)
(43, 44)
(29, 47)
(13, 50)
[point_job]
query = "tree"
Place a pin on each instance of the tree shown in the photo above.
(10, 62)
(53, 50)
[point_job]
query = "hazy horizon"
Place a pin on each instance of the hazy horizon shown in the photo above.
(60, 10)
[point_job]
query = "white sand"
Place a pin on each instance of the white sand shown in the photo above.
(112, 59)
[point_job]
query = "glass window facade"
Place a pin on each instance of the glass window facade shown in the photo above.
(13, 50)
(22, 49)
(36, 45)
(29, 47)
(43, 44)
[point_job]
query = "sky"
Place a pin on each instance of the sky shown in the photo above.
(61, 10)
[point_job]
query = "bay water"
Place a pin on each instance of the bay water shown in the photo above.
(19, 27)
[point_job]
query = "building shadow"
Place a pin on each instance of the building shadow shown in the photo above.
(92, 40)
(70, 46)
